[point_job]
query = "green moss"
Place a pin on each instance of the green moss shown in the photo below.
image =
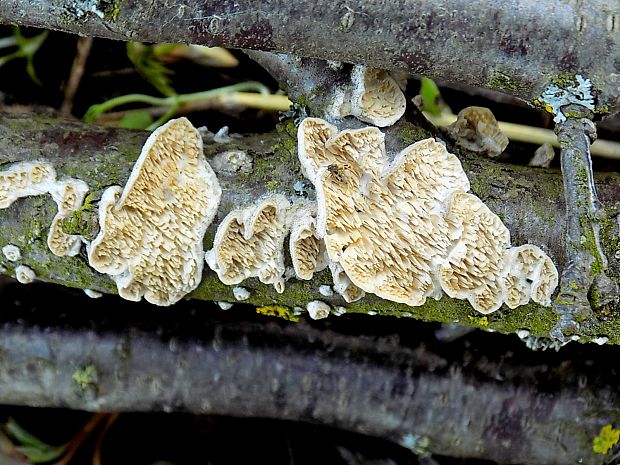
(85, 377)
(271, 185)
(502, 82)
(412, 134)
(602, 110)
(83, 221)
(563, 80)
(607, 438)
(478, 321)
(572, 114)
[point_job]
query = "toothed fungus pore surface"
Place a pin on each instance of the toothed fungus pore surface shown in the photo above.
(69, 196)
(36, 178)
(307, 250)
(372, 95)
(151, 233)
(407, 229)
(476, 129)
(249, 242)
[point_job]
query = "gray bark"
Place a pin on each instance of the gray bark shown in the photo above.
(478, 403)
(513, 46)
(529, 200)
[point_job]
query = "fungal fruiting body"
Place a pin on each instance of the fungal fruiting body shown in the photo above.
(372, 95)
(318, 309)
(307, 250)
(151, 231)
(249, 242)
(24, 179)
(39, 177)
(69, 196)
(24, 274)
(407, 229)
(477, 130)
(11, 252)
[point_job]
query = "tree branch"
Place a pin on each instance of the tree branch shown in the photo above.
(467, 400)
(517, 49)
(529, 200)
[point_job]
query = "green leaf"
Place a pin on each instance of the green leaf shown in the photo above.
(431, 97)
(145, 60)
(36, 455)
(23, 436)
(35, 450)
(136, 120)
(27, 47)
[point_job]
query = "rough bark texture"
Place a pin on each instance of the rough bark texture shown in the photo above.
(484, 398)
(529, 200)
(514, 46)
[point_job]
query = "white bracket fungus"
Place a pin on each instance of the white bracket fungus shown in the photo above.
(36, 178)
(240, 293)
(24, 274)
(554, 97)
(24, 179)
(151, 233)
(249, 242)
(372, 96)
(68, 195)
(407, 229)
(93, 294)
(476, 129)
(318, 310)
(307, 250)
(343, 285)
(11, 252)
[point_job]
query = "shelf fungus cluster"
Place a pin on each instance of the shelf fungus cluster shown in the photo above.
(151, 231)
(407, 229)
(29, 178)
(249, 242)
(371, 95)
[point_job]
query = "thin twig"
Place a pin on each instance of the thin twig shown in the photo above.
(84, 45)
(97, 453)
(533, 135)
(81, 437)
(233, 100)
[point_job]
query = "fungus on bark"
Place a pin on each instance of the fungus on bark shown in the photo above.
(68, 195)
(24, 274)
(406, 229)
(24, 179)
(151, 233)
(249, 242)
(318, 309)
(11, 252)
(372, 95)
(306, 248)
(476, 129)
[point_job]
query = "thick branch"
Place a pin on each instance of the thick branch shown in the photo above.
(530, 201)
(468, 401)
(508, 46)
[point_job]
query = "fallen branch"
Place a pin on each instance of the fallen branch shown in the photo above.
(529, 200)
(478, 402)
(483, 44)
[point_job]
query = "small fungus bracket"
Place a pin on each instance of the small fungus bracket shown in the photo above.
(584, 274)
